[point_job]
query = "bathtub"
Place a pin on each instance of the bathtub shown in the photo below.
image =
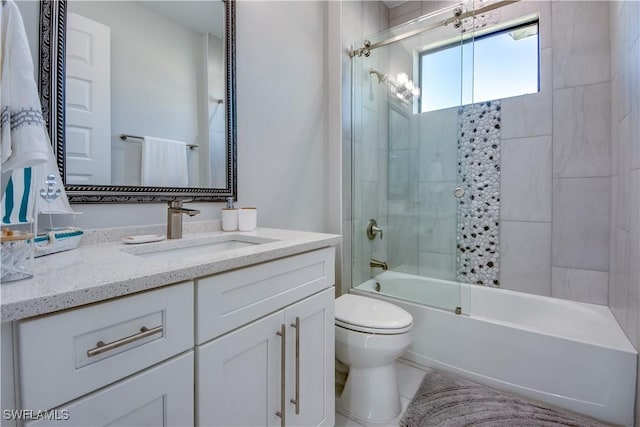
(568, 354)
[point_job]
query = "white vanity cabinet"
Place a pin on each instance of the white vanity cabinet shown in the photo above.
(259, 374)
(246, 375)
(127, 361)
(230, 349)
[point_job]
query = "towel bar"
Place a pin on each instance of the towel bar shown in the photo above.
(124, 137)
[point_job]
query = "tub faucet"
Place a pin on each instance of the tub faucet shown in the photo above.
(174, 218)
(375, 263)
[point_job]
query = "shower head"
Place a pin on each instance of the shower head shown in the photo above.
(381, 77)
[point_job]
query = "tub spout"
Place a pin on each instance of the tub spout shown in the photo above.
(381, 264)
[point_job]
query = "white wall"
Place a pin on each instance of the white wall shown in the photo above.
(282, 132)
(30, 11)
(286, 161)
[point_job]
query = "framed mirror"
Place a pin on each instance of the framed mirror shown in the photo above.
(139, 98)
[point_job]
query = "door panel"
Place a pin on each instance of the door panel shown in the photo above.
(316, 340)
(239, 376)
(88, 102)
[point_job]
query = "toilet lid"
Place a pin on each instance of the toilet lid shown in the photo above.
(358, 312)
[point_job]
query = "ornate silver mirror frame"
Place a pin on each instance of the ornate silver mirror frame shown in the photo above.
(52, 88)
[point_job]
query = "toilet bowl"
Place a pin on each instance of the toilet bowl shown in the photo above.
(370, 335)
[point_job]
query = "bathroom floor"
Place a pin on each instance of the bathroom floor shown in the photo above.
(409, 379)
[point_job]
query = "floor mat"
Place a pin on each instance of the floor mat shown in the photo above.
(448, 400)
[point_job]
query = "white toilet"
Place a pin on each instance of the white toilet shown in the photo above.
(370, 335)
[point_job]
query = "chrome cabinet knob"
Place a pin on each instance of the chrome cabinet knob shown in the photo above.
(458, 192)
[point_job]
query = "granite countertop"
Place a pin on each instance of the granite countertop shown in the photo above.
(100, 271)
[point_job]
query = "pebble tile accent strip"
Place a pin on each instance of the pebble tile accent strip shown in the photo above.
(478, 251)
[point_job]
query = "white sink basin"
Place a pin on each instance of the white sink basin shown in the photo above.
(195, 247)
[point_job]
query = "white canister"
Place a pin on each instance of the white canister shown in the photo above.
(247, 219)
(229, 219)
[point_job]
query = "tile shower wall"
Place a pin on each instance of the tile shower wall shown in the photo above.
(624, 259)
(402, 188)
(556, 160)
(555, 157)
(438, 178)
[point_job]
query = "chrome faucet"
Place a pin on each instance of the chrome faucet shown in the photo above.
(381, 264)
(373, 229)
(174, 218)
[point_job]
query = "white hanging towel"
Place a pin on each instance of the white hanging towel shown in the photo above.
(164, 163)
(25, 148)
(24, 140)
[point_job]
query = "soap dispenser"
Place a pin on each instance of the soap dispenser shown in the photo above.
(229, 216)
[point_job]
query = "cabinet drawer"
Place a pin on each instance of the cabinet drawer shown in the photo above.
(69, 354)
(160, 396)
(229, 300)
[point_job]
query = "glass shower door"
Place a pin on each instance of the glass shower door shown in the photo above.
(405, 164)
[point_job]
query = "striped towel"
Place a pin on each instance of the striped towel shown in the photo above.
(18, 198)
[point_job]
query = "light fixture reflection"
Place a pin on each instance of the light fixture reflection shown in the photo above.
(402, 87)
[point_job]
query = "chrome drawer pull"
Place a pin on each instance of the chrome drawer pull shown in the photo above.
(296, 400)
(283, 348)
(101, 347)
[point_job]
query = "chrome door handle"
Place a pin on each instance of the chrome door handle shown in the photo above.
(101, 347)
(283, 348)
(296, 400)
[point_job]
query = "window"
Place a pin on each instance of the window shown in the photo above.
(498, 65)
